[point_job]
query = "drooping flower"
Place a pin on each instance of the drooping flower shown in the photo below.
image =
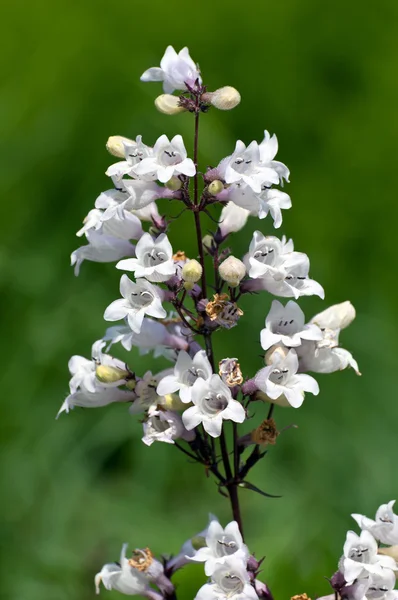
(83, 370)
(269, 200)
(186, 371)
(281, 383)
(221, 544)
(102, 396)
(176, 71)
(164, 426)
(229, 581)
(360, 557)
(101, 248)
(213, 402)
(232, 219)
(140, 298)
(169, 158)
(154, 259)
(121, 225)
(286, 325)
(189, 548)
(385, 525)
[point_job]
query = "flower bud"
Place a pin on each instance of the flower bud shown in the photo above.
(174, 184)
(208, 244)
(389, 551)
(168, 104)
(215, 187)
(191, 273)
(198, 542)
(224, 98)
(275, 351)
(232, 270)
(172, 402)
(107, 374)
(115, 145)
(337, 316)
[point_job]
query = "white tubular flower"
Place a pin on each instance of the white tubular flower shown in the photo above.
(186, 371)
(154, 336)
(148, 213)
(123, 577)
(281, 271)
(122, 224)
(268, 150)
(139, 298)
(244, 166)
(101, 397)
(385, 526)
(213, 402)
(83, 370)
(229, 581)
(134, 153)
(232, 219)
(267, 201)
(381, 587)
(324, 356)
(360, 557)
(169, 158)
(281, 383)
(286, 325)
(154, 259)
(273, 201)
(164, 426)
(176, 70)
(101, 248)
(189, 548)
(221, 544)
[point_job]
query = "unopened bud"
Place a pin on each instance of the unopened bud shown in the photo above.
(215, 187)
(208, 244)
(191, 273)
(224, 98)
(389, 551)
(115, 145)
(337, 316)
(198, 542)
(174, 184)
(108, 374)
(232, 270)
(274, 352)
(172, 402)
(168, 104)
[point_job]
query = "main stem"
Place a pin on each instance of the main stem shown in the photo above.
(232, 478)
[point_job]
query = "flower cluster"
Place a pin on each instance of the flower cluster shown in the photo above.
(367, 570)
(170, 305)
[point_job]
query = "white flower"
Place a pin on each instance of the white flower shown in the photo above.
(164, 426)
(324, 356)
(139, 298)
(83, 370)
(267, 201)
(268, 150)
(232, 219)
(122, 224)
(101, 248)
(281, 271)
(244, 166)
(385, 526)
(123, 577)
(381, 586)
(186, 371)
(145, 390)
(229, 580)
(134, 153)
(176, 70)
(169, 158)
(285, 324)
(220, 545)
(213, 402)
(102, 396)
(360, 557)
(280, 381)
(189, 548)
(154, 259)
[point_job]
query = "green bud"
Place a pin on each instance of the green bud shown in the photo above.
(174, 184)
(215, 187)
(198, 542)
(192, 271)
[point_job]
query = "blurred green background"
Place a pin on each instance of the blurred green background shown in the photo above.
(323, 76)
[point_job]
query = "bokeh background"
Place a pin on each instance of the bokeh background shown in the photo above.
(323, 76)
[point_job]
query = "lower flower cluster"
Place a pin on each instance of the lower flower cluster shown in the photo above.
(231, 570)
